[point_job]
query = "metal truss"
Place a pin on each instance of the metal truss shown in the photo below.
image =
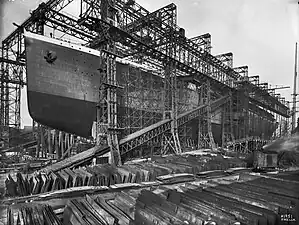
(107, 123)
(171, 140)
(143, 37)
(141, 98)
(186, 136)
(243, 70)
(152, 28)
(216, 73)
(113, 129)
(203, 41)
(141, 137)
(13, 70)
(195, 113)
(227, 122)
(155, 131)
(187, 100)
(226, 58)
(246, 145)
(241, 109)
(205, 136)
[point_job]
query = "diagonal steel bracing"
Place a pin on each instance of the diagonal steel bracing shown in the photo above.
(193, 56)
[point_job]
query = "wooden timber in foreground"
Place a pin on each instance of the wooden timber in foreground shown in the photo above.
(247, 198)
(106, 175)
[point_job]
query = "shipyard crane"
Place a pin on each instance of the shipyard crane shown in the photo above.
(271, 90)
(49, 14)
(295, 89)
(278, 88)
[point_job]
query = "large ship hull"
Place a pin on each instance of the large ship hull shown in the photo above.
(63, 84)
(63, 90)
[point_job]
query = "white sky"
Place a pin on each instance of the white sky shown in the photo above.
(260, 33)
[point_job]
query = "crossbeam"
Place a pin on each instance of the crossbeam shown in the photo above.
(136, 139)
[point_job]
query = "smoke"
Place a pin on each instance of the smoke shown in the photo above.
(290, 144)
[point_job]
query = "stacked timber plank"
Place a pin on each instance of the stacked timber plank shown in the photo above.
(217, 201)
(118, 210)
(106, 175)
(249, 199)
(29, 214)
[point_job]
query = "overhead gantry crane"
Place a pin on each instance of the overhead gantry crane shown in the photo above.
(136, 30)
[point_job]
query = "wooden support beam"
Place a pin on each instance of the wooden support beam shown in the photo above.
(56, 143)
(61, 137)
(50, 148)
(43, 141)
(67, 153)
(38, 141)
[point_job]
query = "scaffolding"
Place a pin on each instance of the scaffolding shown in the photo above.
(205, 136)
(124, 29)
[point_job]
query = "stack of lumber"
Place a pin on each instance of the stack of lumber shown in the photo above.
(217, 201)
(29, 214)
(106, 175)
(251, 199)
(118, 210)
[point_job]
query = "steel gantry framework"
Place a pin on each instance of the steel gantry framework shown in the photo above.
(13, 66)
(151, 39)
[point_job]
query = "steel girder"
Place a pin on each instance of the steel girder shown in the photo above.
(141, 137)
(226, 58)
(243, 70)
(12, 76)
(189, 48)
(155, 131)
(203, 41)
(128, 40)
(153, 28)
